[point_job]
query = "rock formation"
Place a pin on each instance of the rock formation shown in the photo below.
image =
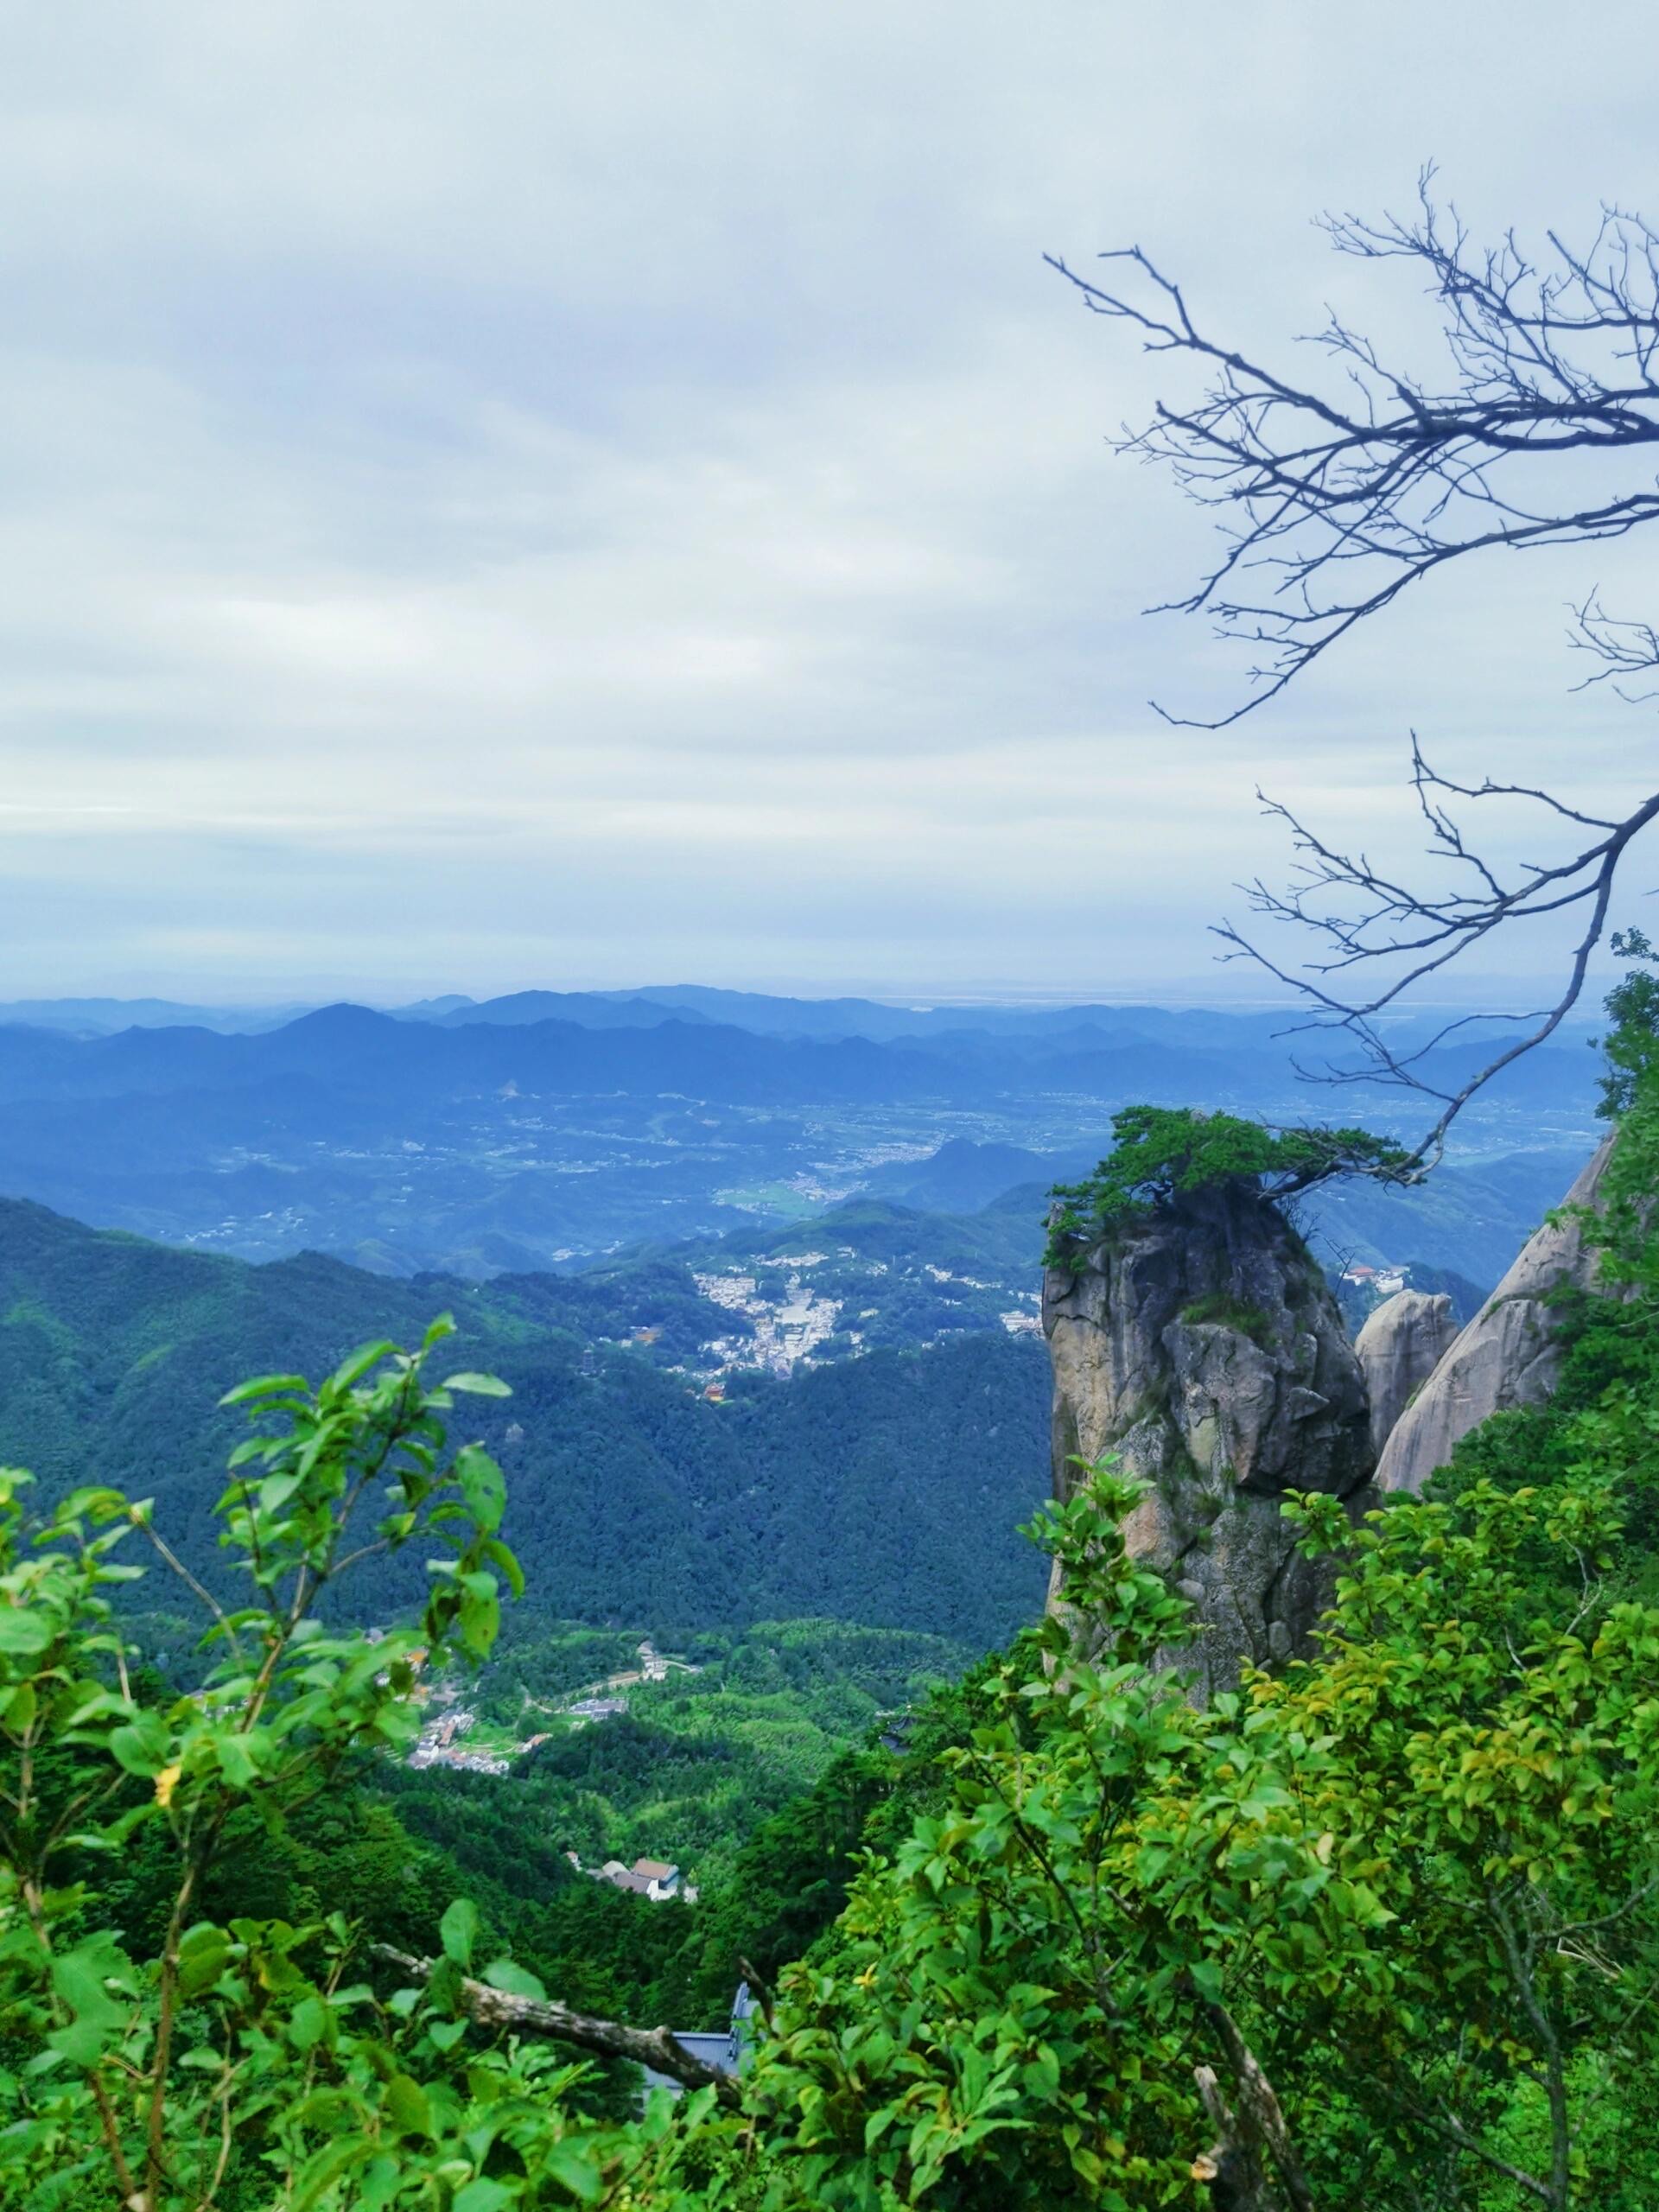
(1399, 1348)
(1203, 1345)
(1506, 1355)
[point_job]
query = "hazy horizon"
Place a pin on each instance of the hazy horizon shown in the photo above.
(1502, 993)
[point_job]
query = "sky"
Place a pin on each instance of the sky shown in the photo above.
(552, 494)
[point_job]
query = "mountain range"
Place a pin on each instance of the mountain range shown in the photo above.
(553, 1128)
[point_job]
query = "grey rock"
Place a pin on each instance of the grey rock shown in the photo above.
(1507, 1356)
(1203, 1347)
(1399, 1348)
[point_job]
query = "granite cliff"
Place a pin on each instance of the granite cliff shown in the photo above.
(1201, 1342)
(1506, 1357)
(1399, 1348)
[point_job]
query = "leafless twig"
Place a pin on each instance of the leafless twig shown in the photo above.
(1361, 919)
(1538, 430)
(1335, 502)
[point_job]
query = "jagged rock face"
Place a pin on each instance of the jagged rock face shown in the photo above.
(1506, 1355)
(1203, 1347)
(1398, 1348)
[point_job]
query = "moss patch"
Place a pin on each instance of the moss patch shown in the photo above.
(1221, 1311)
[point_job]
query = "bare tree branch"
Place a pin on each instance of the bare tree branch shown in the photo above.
(1260, 2108)
(1358, 917)
(533, 2016)
(1541, 428)
(1232, 2171)
(1334, 506)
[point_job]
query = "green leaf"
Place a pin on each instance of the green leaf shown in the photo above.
(141, 1747)
(494, 1550)
(358, 1365)
(379, 2183)
(19, 1708)
(514, 1981)
(1207, 1980)
(263, 1385)
(320, 2171)
(479, 1619)
(82, 2043)
(201, 1961)
(236, 1761)
(275, 1490)
(483, 1485)
(25, 1633)
(458, 1929)
(580, 2173)
(443, 1986)
(479, 1386)
(479, 2196)
(406, 2106)
(79, 1976)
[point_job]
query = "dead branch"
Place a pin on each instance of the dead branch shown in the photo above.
(1358, 917)
(1231, 2169)
(1260, 2108)
(1332, 502)
(534, 2016)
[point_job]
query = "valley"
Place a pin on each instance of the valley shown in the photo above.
(765, 1461)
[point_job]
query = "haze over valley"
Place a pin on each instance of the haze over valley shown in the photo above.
(555, 1130)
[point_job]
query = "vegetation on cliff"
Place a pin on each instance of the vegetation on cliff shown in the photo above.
(1163, 1153)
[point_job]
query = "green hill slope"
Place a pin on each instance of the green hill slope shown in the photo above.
(885, 1491)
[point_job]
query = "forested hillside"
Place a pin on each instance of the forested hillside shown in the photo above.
(886, 1493)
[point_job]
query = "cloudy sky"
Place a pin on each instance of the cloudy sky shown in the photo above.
(563, 494)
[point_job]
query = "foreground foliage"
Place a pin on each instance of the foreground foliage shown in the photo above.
(1415, 1878)
(1381, 1929)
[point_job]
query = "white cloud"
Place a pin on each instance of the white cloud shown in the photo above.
(547, 494)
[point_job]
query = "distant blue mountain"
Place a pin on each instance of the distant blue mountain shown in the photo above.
(492, 1136)
(961, 1176)
(354, 1046)
(589, 1009)
(102, 1017)
(431, 1009)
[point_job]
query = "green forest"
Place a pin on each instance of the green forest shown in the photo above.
(696, 1762)
(885, 1492)
(1001, 1553)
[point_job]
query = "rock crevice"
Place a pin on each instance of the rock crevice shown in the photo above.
(1399, 1348)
